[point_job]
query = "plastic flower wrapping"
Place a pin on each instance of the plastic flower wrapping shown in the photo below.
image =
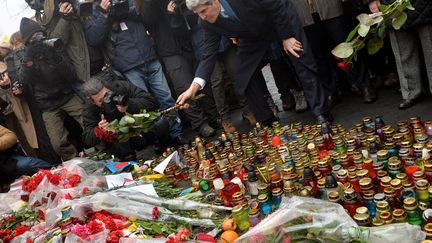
(301, 219)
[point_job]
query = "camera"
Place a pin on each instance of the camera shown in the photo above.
(115, 99)
(119, 9)
(82, 8)
(53, 43)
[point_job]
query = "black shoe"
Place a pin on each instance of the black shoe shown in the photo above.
(369, 95)
(325, 118)
(179, 141)
(288, 102)
(333, 100)
(406, 103)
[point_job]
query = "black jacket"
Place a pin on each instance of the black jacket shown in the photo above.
(422, 14)
(266, 20)
(155, 18)
(137, 100)
(52, 79)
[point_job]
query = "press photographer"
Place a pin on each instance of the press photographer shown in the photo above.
(109, 100)
(132, 54)
(52, 78)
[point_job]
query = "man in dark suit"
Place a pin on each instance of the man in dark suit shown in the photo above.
(256, 24)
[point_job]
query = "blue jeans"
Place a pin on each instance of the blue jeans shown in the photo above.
(149, 77)
(29, 165)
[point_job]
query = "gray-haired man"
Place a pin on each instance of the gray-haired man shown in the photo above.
(256, 24)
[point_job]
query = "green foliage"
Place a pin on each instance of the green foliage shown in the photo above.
(371, 30)
(133, 125)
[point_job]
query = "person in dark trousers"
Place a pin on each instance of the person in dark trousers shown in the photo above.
(12, 163)
(132, 54)
(256, 25)
(177, 58)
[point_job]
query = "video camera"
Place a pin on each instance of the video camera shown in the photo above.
(115, 99)
(82, 8)
(53, 43)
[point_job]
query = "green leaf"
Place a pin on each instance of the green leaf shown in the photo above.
(381, 31)
(370, 19)
(363, 30)
(124, 129)
(399, 20)
(352, 34)
(343, 50)
(383, 7)
(364, 19)
(409, 6)
(129, 119)
(123, 121)
(374, 45)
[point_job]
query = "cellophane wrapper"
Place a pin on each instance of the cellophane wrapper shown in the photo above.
(301, 219)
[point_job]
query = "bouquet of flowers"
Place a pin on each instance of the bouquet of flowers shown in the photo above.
(371, 31)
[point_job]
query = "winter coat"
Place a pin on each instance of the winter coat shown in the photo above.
(137, 100)
(130, 44)
(52, 80)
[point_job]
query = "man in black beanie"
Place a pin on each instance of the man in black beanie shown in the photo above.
(48, 73)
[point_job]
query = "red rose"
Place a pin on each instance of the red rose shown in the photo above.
(344, 66)
(155, 213)
(41, 214)
(20, 229)
(84, 191)
(68, 196)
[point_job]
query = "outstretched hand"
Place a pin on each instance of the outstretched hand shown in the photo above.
(292, 46)
(188, 94)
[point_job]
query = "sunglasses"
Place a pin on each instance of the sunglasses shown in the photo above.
(3, 74)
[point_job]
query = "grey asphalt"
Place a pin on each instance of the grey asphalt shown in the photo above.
(351, 110)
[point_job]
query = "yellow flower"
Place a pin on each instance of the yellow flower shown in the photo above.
(132, 228)
(142, 237)
(132, 218)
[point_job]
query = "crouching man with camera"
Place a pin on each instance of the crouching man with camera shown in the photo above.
(50, 76)
(109, 100)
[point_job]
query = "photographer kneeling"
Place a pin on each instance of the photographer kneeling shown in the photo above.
(109, 100)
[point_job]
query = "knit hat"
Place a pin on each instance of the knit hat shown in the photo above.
(27, 28)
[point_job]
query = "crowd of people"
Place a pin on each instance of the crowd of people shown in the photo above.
(78, 65)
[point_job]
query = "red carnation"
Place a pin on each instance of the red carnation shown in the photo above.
(54, 179)
(95, 226)
(74, 180)
(114, 236)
